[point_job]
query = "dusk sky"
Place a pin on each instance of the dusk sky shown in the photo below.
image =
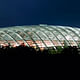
(34, 12)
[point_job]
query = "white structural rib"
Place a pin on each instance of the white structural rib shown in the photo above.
(48, 35)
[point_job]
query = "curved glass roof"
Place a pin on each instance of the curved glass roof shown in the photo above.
(40, 36)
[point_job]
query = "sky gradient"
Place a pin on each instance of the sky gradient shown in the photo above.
(34, 12)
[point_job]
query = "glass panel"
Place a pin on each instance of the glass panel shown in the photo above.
(51, 37)
(45, 39)
(15, 36)
(35, 38)
(70, 36)
(3, 42)
(23, 35)
(8, 39)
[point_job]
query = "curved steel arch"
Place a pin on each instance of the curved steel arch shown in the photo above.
(73, 30)
(41, 39)
(70, 35)
(37, 36)
(10, 37)
(34, 40)
(55, 28)
(48, 37)
(69, 29)
(64, 35)
(78, 31)
(4, 39)
(29, 37)
(54, 35)
(19, 37)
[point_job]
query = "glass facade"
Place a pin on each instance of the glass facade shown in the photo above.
(40, 36)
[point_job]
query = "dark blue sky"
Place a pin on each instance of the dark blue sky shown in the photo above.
(29, 12)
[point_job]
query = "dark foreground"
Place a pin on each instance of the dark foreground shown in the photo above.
(28, 51)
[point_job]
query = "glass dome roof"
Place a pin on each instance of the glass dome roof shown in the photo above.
(40, 36)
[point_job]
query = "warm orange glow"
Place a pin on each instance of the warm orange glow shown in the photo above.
(31, 43)
(37, 43)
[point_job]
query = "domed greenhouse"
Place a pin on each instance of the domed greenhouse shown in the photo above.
(40, 36)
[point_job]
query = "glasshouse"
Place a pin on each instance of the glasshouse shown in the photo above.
(40, 36)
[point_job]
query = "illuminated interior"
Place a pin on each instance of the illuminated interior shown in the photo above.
(40, 36)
